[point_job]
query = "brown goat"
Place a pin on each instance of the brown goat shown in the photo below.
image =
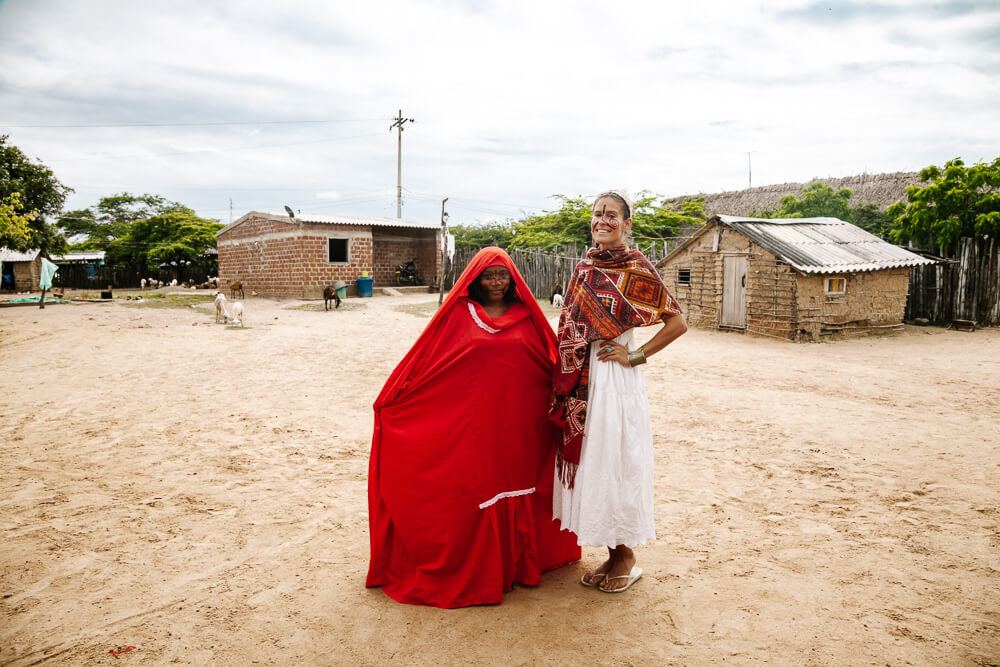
(330, 294)
(234, 287)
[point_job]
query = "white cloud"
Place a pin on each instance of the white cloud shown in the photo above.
(513, 101)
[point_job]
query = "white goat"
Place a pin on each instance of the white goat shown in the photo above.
(221, 312)
(142, 284)
(237, 316)
(557, 300)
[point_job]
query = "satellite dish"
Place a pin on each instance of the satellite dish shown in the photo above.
(291, 213)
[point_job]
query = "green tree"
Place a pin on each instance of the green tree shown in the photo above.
(818, 200)
(652, 222)
(40, 194)
(96, 227)
(480, 236)
(14, 222)
(872, 220)
(176, 236)
(571, 222)
(550, 229)
(959, 201)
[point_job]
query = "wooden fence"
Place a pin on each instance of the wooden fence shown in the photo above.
(544, 271)
(965, 287)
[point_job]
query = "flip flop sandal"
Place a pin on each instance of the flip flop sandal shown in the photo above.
(595, 582)
(632, 577)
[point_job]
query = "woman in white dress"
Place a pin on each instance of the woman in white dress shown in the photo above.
(604, 468)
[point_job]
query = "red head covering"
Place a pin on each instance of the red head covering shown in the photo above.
(484, 259)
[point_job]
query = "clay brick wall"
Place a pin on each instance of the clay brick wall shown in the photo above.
(283, 259)
(392, 247)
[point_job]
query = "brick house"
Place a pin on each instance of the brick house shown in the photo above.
(276, 256)
(792, 278)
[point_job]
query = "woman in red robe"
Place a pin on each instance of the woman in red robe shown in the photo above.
(461, 470)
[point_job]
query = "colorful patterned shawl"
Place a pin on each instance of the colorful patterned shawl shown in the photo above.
(611, 292)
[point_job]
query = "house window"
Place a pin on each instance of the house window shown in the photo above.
(684, 277)
(338, 250)
(835, 286)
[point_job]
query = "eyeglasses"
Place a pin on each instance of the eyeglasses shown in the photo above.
(498, 276)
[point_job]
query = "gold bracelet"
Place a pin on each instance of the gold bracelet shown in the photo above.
(636, 357)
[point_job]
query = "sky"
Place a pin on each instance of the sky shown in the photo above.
(269, 104)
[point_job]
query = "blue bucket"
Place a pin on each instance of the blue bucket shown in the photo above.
(364, 286)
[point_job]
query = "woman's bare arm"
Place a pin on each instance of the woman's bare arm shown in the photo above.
(671, 330)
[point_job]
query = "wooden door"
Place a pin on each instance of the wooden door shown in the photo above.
(734, 292)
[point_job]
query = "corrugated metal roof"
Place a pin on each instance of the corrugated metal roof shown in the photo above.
(332, 220)
(8, 255)
(80, 256)
(823, 245)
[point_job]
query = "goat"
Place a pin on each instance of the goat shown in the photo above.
(557, 300)
(237, 316)
(330, 294)
(221, 313)
(234, 287)
(142, 284)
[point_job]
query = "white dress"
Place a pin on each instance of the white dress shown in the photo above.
(611, 502)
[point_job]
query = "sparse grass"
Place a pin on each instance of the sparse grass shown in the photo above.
(419, 309)
(169, 300)
(318, 307)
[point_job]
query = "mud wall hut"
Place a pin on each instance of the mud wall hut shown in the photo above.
(792, 278)
(276, 255)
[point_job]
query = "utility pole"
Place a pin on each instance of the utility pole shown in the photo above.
(749, 172)
(444, 251)
(398, 123)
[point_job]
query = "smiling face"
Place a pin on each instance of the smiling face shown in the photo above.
(608, 223)
(494, 283)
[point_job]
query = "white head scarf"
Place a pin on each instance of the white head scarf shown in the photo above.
(622, 194)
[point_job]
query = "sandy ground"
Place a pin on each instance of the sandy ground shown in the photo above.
(198, 492)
